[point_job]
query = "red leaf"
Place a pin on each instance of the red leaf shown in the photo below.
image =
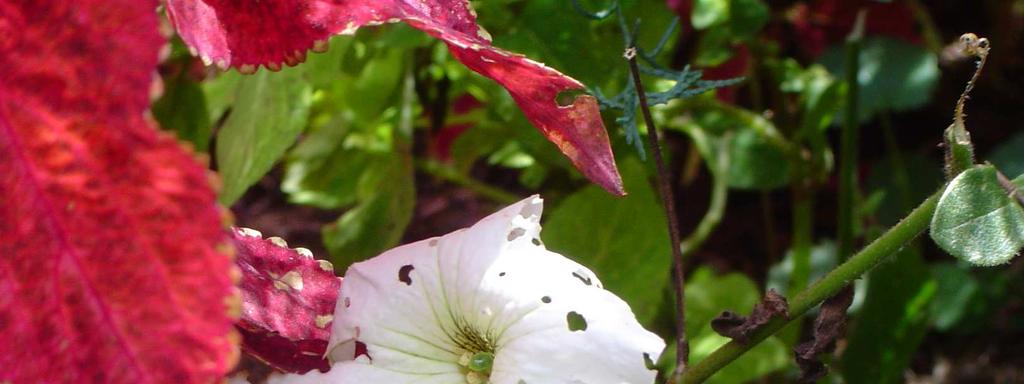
(114, 263)
(288, 303)
(275, 32)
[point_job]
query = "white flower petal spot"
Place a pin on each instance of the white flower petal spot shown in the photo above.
(486, 304)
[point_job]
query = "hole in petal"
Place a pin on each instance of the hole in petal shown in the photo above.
(361, 351)
(403, 274)
(516, 233)
(580, 275)
(568, 97)
(546, 299)
(348, 302)
(536, 241)
(576, 321)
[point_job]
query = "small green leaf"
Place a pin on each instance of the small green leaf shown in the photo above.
(270, 111)
(182, 108)
(623, 239)
(756, 163)
(977, 221)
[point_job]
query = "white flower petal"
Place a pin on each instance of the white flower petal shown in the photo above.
(356, 372)
(419, 307)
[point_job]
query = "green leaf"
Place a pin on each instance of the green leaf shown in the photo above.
(894, 75)
(387, 197)
(892, 321)
(709, 12)
(977, 221)
(623, 239)
(220, 93)
(756, 163)
(747, 18)
(1009, 155)
(957, 291)
(270, 111)
(708, 294)
(182, 108)
(324, 169)
(757, 160)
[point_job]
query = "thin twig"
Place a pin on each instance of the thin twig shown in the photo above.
(668, 202)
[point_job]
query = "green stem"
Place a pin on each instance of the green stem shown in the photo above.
(803, 210)
(889, 243)
(848, 145)
(445, 172)
(713, 216)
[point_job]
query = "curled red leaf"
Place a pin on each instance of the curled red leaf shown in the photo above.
(114, 263)
(288, 300)
(273, 33)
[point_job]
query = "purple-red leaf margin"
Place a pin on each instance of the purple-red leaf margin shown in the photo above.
(288, 300)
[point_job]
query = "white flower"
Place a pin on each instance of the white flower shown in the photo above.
(487, 304)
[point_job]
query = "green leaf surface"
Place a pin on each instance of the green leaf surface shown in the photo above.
(892, 321)
(623, 239)
(977, 221)
(747, 18)
(270, 110)
(709, 12)
(958, 290)
(756, 163)
(894, 75)
(387, 196)
(182, 109)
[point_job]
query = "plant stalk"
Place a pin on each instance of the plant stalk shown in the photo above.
(848, 144)
(889, 243)
(668, 203)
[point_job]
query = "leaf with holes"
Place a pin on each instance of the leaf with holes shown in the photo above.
(222, 32)
(977, 221)
(115, 265)
(288, 300)
(488, 303)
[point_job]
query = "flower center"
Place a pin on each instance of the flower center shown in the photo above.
(477, 366)
(478, 352)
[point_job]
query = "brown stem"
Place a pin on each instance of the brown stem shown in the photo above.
(668, 202)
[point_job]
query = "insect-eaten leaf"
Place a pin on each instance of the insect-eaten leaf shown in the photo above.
(977, 220)
(288, 301)
(115, 265)
(222, 33)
